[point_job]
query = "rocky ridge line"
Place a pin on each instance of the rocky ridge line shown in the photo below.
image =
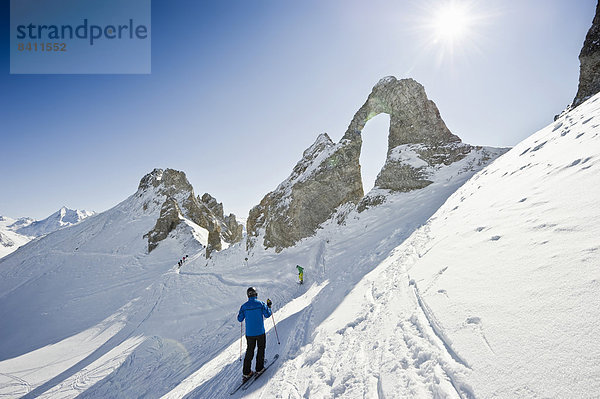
(180, 202)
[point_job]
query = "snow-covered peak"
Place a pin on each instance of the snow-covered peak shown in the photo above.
(71, 216)
(18, 223)
(64, 217)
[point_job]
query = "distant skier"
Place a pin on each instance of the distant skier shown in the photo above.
(179, 264)
(253, 312)
(300, 274)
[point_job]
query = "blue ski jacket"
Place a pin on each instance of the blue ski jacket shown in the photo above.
(253, 311)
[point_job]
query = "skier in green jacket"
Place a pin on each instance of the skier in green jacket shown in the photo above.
(300, 273)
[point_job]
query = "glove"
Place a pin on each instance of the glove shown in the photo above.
(269, 303)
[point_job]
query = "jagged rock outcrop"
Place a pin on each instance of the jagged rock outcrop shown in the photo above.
(170, 217)
(178, 203)
(328, 175)
(589, 58)
(231, 229)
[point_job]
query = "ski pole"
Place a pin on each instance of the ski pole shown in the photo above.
(274, 325)
(241, 336)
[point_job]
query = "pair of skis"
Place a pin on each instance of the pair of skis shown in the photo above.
(246, 384)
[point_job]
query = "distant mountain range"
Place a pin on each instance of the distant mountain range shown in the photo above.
(15, 233)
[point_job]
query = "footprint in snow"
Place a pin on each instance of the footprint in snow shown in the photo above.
(495, 238)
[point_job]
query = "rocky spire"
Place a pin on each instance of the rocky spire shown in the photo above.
(589, 58)
(179, 202)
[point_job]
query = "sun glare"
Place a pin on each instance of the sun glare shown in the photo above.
(451, 29)
(451, 22)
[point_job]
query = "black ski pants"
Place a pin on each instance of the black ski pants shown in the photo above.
(261, 340)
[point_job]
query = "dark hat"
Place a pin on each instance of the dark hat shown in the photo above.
(251, 292)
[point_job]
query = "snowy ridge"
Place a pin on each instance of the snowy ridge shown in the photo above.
(62, 218)
(16, 233)
(312, 159)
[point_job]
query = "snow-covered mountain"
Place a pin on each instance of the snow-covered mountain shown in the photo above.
(10, 240)
(476, 290)
(62, 218)
(16, 233)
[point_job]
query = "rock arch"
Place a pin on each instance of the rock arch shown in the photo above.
(328, 175)
(415, 122)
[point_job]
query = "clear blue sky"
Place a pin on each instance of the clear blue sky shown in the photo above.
(239, 89)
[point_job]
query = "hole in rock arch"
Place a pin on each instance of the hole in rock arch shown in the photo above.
(374, 149)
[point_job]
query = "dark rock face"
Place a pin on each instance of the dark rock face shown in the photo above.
(169, 219)
(231, 230)
(180, 202)
(328, 175)
(589, 71)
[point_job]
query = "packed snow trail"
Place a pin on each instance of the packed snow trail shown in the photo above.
(377, 343)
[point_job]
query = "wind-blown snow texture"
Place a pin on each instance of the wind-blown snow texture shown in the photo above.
(494, 293)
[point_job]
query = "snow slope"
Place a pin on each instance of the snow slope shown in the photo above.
(103, 318)
(497, 296)
(509, 267)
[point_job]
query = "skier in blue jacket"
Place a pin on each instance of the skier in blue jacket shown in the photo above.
(253, 312)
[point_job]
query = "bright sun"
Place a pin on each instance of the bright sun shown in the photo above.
(451, 29)
(451, 22)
